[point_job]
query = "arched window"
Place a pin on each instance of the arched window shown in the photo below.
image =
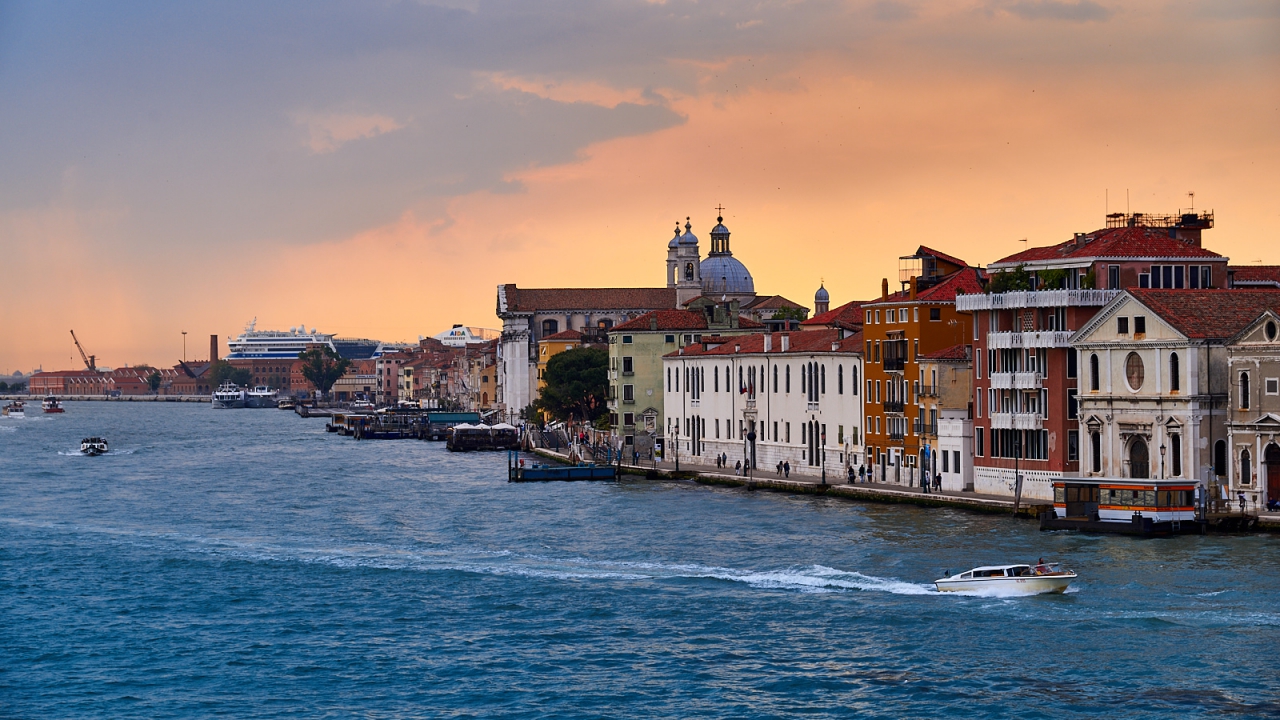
(1244, 391)
(804, 379)
(788, 378)
(550, 327)
(1175, 454)
(853, 378)
(1175, 381)
(1246, 471)
(1093, 373)
(775, 379)
(688, 271)
(1220, 458)
(605, 324)
(1095, 451)
(1139, 459)
(840, 379)
(823, 371)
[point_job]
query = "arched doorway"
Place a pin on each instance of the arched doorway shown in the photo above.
(1139, 459)
(1272, 459)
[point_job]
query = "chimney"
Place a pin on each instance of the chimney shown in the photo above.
(653, 322)
(768, 342)
(737, 348)
(884, 288)
(835, 345)
(213, 348)
(913, 288)
(786, 343)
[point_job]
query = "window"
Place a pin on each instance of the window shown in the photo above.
(840, 435)
(1139, 325)
(628, 418)
(1122, 325)
(668, 379)
(946, 462)
(718, 420)
(670, 339)
(890, 316)
(1071, 363)
(788, 426)
(550, 327)
(853, 379)
(877, 317)
(626, 339)
(1272, 386)
(1246, 472)
(788, 378)
(628, 366)
(1073, 404)
(840, 380)
(902, 315)
(955, 461)
(877, 391)
(915, 314)
(935, 314)
(1093, 372)
(877, 351)
(775, 381)
(915, 351)
(823, 380)
(1220, 458)
(1073, 446)
(1134, 372)
(978, 435)
(628, 394)
(1270, 329)
(1095, 452)
(1175, 453)
(1244, 391)
(1113, 277)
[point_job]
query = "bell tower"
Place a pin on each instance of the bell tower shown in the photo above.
(673, 261)
(689, 266)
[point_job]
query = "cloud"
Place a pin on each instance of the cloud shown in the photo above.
(1080, 11)
(327, 133)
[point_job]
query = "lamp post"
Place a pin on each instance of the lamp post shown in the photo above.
(823, 452)
(1162, 451)
(676, 443)
(184, 346)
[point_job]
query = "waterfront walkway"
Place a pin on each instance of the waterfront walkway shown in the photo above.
(836, 486)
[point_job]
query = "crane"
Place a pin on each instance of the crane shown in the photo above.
(89, 360)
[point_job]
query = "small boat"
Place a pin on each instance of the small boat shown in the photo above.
(261, 397)
(17, 408)
(51, 405)
(287, 404)
(93, 446)
(229, 395)
(362, 406)
(1010, 580)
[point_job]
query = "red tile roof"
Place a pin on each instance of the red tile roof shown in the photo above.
(1256, 275)
(804, 342)
(847, 316)
(1208, 314)
(961, 282)
(923, 250)
(955, 352)
(1122, 242)
(564, 335)
(772, 302)
(678, 320)
(530, 300)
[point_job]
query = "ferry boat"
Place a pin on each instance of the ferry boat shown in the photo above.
(287, 403)
(261, 397)
(93, 446)
(52, 405)
(17, 408)
(1133, 506)
(229, 395)
(1009, 579)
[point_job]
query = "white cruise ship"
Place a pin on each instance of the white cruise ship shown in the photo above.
(254, 344)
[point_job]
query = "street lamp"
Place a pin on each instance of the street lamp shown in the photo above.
(824, 457)
(676, 443)
(1162, 451)
(184, 346)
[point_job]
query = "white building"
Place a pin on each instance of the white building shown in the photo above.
(768, 398)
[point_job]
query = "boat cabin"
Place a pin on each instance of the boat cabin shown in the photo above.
(998, 571)
(1120, 500)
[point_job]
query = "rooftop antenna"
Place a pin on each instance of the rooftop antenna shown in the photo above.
(1192, 194)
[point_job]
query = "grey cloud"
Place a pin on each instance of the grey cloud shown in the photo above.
(892, 11)
(1079, 11)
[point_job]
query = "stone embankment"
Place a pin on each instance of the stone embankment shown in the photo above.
(103, 398)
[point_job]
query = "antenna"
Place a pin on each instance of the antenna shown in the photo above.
(1192, 194)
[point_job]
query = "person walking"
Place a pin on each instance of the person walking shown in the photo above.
(850, 469)
(786, 468)
(737, 467)
(779, 468)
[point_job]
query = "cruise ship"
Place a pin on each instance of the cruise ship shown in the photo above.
(254, 344)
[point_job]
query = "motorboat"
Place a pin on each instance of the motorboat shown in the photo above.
(229, 395)
(362, 406)
(17, 408)
(52, 405)
(261, 397)
(1009, 580)
(287, 403)
(93, 446)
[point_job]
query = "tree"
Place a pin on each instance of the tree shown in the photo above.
(322, 366)
(789, 313)
(223, 371)
(153, 381)
(577, 384)
(1013, 280)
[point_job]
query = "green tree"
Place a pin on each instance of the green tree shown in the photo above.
(223, 371)
(789, 313)
(153, 381)
(3, 386)
(322, 366)
(577, 384)
(1014, 280)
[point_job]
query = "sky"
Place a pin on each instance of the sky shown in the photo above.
(376, 169)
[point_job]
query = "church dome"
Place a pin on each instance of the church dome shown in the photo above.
(821, 296)
(688, 238)
(675, 241)
(725, 274)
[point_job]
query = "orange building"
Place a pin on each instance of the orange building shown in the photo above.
(899, 328)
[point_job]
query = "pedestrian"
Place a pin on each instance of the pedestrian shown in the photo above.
(786, 468)
(737, 467)
(937, 482)
(1242, 502)
(779, 468)
(850, 469)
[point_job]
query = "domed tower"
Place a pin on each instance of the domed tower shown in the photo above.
(821, 300)
(688, 266)
(723, 275)
(673, 261)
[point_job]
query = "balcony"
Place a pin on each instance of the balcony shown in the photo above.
(893, 406)
(1019, 340)
(1016, 421)
(929, 391)
(1035, 299)
(895, 435)
(923, 428)
(1017, 380)
(893, 364)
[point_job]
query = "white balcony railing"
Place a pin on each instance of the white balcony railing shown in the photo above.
(1019, 340)
(811, 407)
(1034, 299)
(1016, 421)
(1017, 380)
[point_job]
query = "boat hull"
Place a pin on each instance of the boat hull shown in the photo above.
(228, 403)
(1032, 585)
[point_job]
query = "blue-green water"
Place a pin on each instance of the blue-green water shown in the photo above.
(247, 564)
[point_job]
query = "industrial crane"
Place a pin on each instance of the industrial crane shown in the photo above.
(89, 360)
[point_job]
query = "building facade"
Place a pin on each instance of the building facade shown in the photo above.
(1253, 373)
(945, 415)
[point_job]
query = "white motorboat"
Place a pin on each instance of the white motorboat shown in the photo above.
(51, 404)
(229, 395)
(93, 446)
(1009, 580)
(261, 397)
(17, 408)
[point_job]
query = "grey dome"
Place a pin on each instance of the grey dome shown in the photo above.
(821, 296)
(688, 238)
(725, 274)
(719, 230)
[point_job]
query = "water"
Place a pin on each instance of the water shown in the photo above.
(245, 563)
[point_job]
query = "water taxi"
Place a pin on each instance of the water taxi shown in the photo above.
(17, 408)
(287, 403)
(52, 405)
(93, 446)
(1009, 580)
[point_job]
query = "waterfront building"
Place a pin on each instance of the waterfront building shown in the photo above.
(1253, 379)
(1159, 388)
(767, 398)
(945, 417)
(900, 327)
(1026, 374)
(636, 349)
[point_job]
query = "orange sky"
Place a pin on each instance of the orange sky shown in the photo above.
(964, 127)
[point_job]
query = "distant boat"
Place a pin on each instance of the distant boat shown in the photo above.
(93, 446)
(261, 397)
(229, 395)
(51, 405)
(287, 404)
(17, 408)
(1010, 579)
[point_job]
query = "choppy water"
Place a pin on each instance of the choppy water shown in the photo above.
(244, 563)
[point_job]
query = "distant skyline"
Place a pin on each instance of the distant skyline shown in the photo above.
(171, 167)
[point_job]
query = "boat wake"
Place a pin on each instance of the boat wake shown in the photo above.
(77, 453)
